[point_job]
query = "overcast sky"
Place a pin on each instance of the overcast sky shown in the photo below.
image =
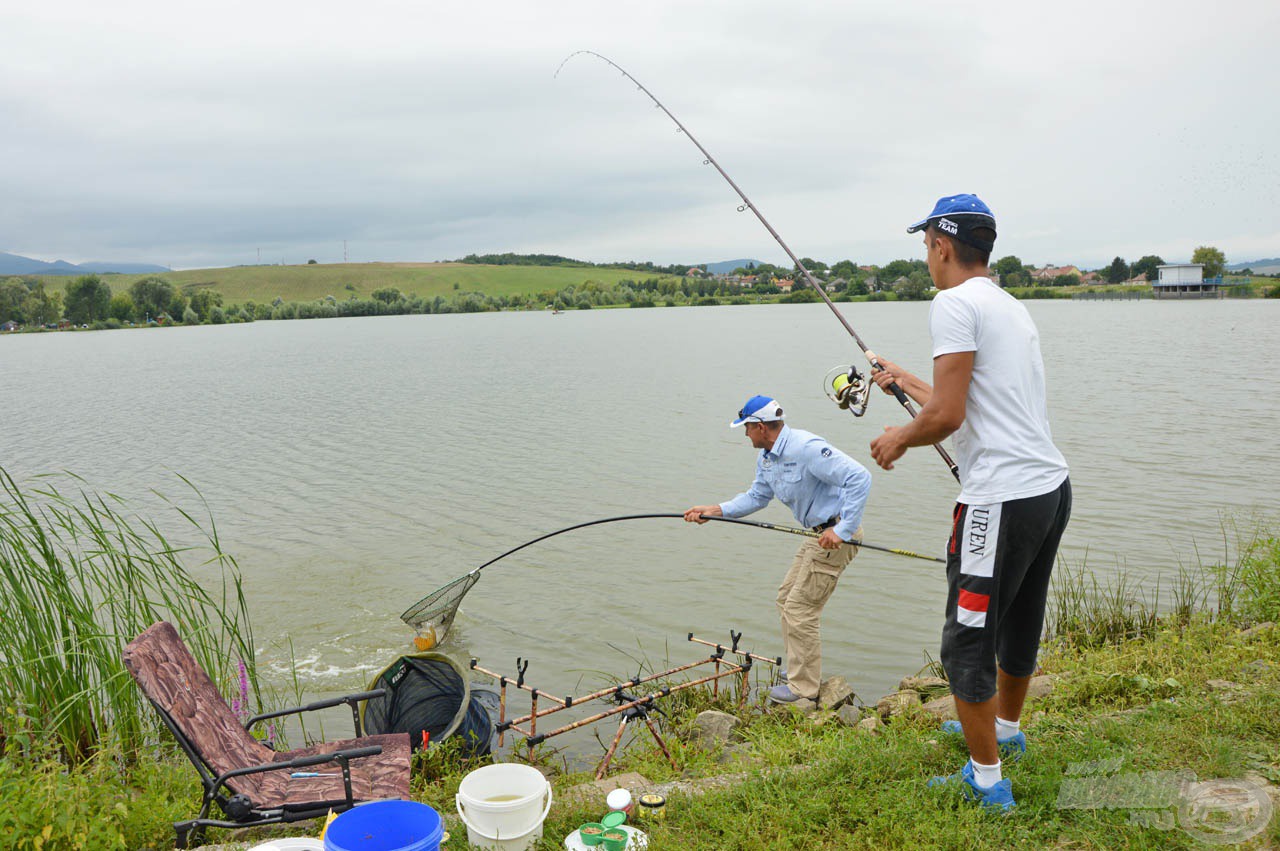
(200, 134)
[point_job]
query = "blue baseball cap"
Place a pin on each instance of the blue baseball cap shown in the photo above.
(759, 409)
(957, 216)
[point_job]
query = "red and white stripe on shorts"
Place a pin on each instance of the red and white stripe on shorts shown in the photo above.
(977, 545)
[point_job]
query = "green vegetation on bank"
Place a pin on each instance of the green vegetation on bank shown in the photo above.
(510, 259)
(1138, 698)
(80, 577)
(240, 284)
(1113, 716)
(90, 302)
(1195, 691)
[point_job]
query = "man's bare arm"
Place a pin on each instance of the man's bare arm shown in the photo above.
(911, 384)
(939, 417)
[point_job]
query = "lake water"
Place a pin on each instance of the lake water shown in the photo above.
(355, 465)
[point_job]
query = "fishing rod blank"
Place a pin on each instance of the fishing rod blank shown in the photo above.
(809, 533)
(747, 205)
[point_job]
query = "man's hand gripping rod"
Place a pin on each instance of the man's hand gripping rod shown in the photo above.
(747, 205)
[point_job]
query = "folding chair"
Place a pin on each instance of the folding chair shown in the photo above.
(251, 783)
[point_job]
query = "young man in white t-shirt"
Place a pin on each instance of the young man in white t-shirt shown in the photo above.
(988, 391)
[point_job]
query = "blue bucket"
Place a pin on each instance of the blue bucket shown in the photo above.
(386, 826)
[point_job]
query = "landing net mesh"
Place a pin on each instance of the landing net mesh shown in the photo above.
(433, 614)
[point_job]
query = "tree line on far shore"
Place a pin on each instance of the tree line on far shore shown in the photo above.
(909, 279)
(1011, 270)
(88, 301)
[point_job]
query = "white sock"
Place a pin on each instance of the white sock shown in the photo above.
(1006, 729)
(986, 775)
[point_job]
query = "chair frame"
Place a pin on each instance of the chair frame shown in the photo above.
(214, 786)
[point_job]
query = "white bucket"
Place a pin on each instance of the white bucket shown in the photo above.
(504, 806)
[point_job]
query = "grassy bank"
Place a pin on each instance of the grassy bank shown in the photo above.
(264, 284)
(1139, 700)
(1192, 695)
(831, 786)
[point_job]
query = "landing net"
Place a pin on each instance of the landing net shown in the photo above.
(433, 614)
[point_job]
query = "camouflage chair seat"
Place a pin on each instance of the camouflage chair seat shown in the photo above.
(250, 782)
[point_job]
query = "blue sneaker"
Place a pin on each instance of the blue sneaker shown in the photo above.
(1011, 749)
(997, 798)
(784, 694)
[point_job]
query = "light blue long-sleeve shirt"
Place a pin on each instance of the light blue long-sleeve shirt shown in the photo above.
(812, 478)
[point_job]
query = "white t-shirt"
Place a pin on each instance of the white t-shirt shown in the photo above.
(1004, 448)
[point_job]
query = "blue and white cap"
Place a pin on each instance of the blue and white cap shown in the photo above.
(957, 216)
(758, 409)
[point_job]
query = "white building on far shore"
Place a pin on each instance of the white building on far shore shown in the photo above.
(1184, 280)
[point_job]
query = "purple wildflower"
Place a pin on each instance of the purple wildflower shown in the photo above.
(240, 704)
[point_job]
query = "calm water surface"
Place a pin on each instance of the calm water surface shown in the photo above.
(355, 465)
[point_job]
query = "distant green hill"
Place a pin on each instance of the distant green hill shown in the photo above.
(1267, 266)
(16, 264)
(264, 284)
(724, 267)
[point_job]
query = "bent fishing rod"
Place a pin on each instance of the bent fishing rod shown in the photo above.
(747, 205)
(430, 612)
(772, 527)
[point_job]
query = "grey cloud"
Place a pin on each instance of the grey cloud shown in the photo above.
(193, 134)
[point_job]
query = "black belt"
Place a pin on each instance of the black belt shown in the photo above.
(822, 527)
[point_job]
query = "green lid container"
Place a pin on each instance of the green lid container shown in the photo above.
(615, 839)
(591, 833)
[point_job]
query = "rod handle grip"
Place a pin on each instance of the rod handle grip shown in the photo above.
(893, 388)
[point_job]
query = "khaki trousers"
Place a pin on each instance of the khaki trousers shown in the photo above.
(801, 596)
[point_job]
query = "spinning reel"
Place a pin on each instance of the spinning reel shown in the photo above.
(848, 388)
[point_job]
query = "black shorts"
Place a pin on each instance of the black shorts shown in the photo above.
(999, 561)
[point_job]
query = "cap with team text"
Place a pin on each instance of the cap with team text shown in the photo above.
(958, 216)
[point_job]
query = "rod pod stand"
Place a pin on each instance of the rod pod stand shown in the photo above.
(629, 706)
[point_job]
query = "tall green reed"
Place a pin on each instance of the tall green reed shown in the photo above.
(80, 577)
(1245, 585)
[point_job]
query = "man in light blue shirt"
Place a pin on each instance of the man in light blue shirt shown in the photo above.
(826, 490)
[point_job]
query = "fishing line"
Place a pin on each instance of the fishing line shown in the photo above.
(747, 205)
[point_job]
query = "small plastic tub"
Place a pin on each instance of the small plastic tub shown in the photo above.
(591, 833)
(620, 800)
(653, 807)
(615, 839)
